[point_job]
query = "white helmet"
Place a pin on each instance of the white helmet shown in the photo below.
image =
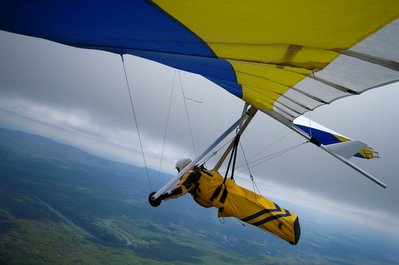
(180, 164)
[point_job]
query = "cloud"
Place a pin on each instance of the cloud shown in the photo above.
(78, 126)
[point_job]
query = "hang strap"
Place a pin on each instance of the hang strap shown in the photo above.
(233, 158)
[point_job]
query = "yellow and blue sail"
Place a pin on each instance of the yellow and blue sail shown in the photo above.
(283, 57)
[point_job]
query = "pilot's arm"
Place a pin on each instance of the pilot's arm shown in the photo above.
(183, 187)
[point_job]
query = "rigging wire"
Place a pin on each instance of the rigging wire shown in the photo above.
(188, 117)
(167, 123)
(250, 173)
(215, 152)
(135, 121)
(271, 156)
(270, 146)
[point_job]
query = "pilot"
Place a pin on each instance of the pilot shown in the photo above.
(209, 188)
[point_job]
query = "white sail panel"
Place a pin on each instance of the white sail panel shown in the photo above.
(305, 101)
(382, 44)
(318, 90)
(357, 75)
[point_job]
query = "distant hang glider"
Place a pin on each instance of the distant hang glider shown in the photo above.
(282, 57)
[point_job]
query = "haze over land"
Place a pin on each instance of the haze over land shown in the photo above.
(60, 205)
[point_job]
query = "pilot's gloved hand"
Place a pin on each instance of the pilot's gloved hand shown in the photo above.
(164, 196)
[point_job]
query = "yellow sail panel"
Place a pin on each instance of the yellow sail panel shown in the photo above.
(260, 100)
(255, 52)
(292, 55)
(302, 35)
(318, 24)
(288, 76)
(262, 84)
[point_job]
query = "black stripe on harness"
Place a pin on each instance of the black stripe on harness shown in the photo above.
(217, 192)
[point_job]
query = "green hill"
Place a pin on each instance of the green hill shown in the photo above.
(60, 205)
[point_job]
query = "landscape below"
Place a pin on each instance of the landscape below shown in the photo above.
(60, 205)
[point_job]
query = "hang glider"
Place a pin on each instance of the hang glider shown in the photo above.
(284, 58)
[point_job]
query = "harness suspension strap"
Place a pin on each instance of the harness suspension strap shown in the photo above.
(231, 158)
(219, 188)
(235, 156)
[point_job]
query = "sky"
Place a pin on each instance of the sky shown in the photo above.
(80, 97)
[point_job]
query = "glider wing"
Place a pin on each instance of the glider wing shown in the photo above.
(284, 57)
